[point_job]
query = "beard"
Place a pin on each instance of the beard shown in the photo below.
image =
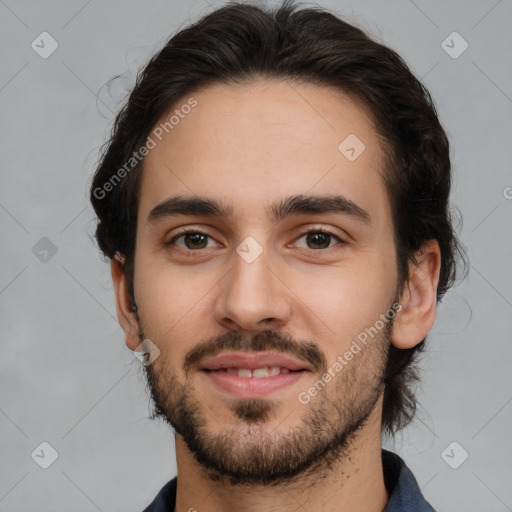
(248, 451)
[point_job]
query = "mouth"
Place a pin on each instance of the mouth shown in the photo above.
(247, 375)
(256, 373)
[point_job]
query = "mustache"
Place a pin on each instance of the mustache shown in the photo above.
(262, 341)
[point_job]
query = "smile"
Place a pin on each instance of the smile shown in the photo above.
(253, 374)
(256, 373)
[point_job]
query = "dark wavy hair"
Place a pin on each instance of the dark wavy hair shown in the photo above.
(242, 41)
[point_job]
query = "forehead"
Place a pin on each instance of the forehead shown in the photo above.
(253, 143)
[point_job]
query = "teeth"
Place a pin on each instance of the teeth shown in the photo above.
(274, 370)
(257, 373)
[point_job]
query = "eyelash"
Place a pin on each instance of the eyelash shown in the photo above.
(196, 232)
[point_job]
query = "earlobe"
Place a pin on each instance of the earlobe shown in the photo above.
(418, 298)
(125, 313)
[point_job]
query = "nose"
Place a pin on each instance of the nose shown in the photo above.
(252, 297)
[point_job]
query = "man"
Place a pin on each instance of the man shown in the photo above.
(274, 203)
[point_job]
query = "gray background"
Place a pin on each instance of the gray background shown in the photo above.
(67, 377)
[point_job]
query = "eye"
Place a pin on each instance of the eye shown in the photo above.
(195, 240)
(191, 240)
(319, 239)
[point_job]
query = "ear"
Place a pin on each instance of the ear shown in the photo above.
(125, 314)
(418, 298)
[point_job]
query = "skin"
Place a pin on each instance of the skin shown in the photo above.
(251, 145)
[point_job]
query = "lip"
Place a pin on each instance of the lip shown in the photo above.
(253, 360)
(250, 387)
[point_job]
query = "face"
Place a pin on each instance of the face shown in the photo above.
(259, 284)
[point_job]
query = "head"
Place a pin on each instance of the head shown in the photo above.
(310, 169)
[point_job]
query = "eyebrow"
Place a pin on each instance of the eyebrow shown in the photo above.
(294, 205)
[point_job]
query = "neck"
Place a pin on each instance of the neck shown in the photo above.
(353, 483)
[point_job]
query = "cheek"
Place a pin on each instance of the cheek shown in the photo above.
(342, 304)
(172, 304)
(173, 290)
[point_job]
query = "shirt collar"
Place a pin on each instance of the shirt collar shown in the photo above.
(403, 489)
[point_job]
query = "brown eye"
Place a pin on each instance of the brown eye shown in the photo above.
(319, 240)
(195, 240)
(191, 240)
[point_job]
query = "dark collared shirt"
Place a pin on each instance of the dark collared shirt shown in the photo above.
(403, 490)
